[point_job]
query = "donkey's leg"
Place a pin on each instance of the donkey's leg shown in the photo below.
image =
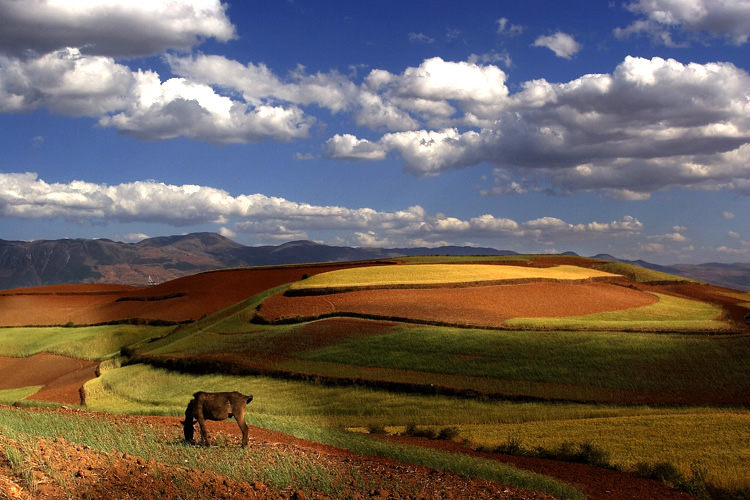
(240, 417)
(204, 434)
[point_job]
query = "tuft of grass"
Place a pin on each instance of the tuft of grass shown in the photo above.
(444, 434)
(376, 429)
(10, 396)
(567, 451)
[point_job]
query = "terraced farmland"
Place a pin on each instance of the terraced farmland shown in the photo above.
(479, 348)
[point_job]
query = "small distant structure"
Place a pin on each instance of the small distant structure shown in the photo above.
(151, 282)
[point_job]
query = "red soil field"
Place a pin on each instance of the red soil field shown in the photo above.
(183, 299)
(192, 297)
(485, 306)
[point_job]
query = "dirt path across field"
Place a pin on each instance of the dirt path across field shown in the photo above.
(61, 377)
(596, 483)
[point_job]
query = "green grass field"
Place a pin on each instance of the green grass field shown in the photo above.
(91, 342)
(670, 313)
(639, 274)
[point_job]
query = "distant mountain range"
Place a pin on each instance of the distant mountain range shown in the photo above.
(736, 275)
(52, 262)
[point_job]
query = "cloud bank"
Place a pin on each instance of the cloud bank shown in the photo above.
(650, 125)
(26, 196)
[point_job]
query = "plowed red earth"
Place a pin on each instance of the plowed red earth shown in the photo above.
(183, 299)
(98, 475)
(477, 306)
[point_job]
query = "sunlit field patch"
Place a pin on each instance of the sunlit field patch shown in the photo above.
(91, 342)
(437, 274)
(670, 313)
(708, 439)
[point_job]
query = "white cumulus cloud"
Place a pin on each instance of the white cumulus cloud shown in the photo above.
(562, 44)
(110, 27)
(506, 28)
(661, 19)
(348, 147)
(650, 125)
(139, 103)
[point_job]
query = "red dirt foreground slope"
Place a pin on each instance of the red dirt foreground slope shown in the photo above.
(98, 475)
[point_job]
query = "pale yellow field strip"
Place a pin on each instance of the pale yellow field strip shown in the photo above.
(430, 274)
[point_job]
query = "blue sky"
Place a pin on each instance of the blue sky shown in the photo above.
(541, 126)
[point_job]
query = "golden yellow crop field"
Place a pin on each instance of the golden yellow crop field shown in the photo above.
(436, 274)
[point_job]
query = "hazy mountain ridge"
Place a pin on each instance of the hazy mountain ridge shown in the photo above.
(52, 262)
(735, 275)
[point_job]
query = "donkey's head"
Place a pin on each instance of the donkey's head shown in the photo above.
(188, 429)
(188, 424)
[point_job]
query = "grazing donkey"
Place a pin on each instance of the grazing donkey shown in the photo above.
(215, 406)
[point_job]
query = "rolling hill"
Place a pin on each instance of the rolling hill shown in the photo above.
(54, 262)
